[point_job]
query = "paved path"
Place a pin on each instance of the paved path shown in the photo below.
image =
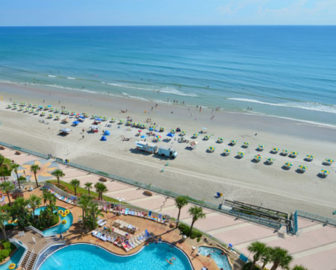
(314, 246)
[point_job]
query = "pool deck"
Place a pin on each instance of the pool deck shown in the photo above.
(312, 247)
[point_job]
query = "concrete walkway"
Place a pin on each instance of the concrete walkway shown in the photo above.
(313, 247)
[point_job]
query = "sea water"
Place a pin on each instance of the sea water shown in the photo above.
(287, 71)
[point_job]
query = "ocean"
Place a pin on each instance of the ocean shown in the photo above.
(285, 71)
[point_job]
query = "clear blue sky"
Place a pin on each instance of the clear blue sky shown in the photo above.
(166, 12)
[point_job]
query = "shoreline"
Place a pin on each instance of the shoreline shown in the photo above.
(194, 173)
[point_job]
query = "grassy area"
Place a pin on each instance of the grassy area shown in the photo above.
(80, 190)
(3, 169)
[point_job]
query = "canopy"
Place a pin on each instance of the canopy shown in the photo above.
(75, 122)
(103, 138)
(107, 133)
(65, 130)
(170, 135)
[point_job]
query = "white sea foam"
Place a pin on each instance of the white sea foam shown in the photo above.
(51, 76)
(71, 78)
(310, 106)
(173, 91)
(134, 97)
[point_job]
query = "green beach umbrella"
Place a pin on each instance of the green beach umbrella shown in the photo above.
(206, 138)
(275, 150)
(288, 165)
(260, 147)
(195, 135)
(226, 152)
(257, 158)
(211, 149)
(245, 145)
(240, 155)
(220, 140)
(233, 142)
(269, 161)
(324, 173)
(293, 154)
(284, 152)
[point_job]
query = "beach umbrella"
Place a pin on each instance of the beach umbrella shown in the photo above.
(245, 145)
(103, 138)
(211, 149)
(260, 147)
(107, 133)
(293, 154)
(170, 135)
(220, 140)
(324, 173)
(195, 135)
(182, 133)
(284, 152)
(328, 161)
(173, 131)
(288, 165)
(275, 150)
(233, 142)
(161, 129)
(206, 137)
(257, 158)
(309, 158)
(143, 137)
(240, 155)
(302, 168)
(75, 123)
(269, 161)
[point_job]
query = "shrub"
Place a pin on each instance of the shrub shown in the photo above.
(247, 266)
(7, 248)
(185, 229)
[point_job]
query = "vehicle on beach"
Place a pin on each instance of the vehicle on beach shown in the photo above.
(154, 149)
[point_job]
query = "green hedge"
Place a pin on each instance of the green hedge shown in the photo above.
(247, 266)
(185, 229)
(7, 248)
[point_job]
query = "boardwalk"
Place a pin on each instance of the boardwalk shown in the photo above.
(312, 247)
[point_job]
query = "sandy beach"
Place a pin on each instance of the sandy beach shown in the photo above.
(195, 173)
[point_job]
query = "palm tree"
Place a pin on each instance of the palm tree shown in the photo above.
(2, 160)
(84, 202)
(75, 184)
(266, 257)
(15, 169)
(299, 267)
(100, 188)
(20, 180)
(94, 212)
(180, 202)
(88, 187)
(4, 216)
(7, 187)
(196, 214)
(58, 174)
(48, 197)
(34, 202)
(258, 249)
(280, 257)
(34, 168)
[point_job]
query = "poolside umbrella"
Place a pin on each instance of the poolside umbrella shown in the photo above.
(103, 138)
(107, 133)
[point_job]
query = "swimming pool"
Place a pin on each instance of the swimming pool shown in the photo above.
(14, 259)
(91, 257)
(220, 259)
(60, 228)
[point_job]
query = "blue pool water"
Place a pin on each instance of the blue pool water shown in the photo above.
(90, 257)
(60, 228)
(14, 259)
(216, 254)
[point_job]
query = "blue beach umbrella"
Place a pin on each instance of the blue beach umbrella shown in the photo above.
(143, 136)
(103, 138)
(170, 135)
(107, 133)
(98, 119)
(75, 123)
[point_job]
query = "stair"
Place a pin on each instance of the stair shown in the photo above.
(25, 259)
(31, 261)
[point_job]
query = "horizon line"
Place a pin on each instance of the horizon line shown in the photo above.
(172, 25)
